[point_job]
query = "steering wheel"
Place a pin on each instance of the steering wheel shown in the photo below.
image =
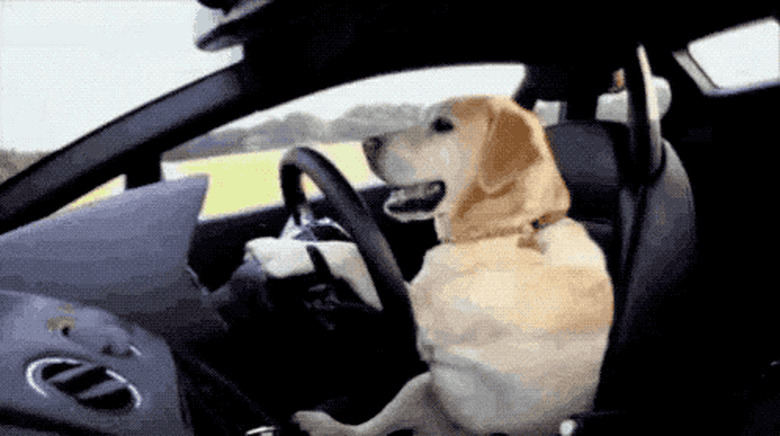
(353, 214)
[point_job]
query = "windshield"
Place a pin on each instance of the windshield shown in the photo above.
(68, 67)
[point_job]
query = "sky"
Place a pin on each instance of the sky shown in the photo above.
(67, 67)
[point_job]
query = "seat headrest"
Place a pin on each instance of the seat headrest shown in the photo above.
(585, 152)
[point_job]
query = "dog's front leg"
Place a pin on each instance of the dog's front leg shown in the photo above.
(412, 408)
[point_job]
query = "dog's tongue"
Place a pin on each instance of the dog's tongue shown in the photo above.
(418, 198)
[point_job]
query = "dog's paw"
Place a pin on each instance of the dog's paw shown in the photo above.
(320, 424)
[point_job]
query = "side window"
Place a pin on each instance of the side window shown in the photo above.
(241, 159)
(735, 59)
(242, 178)
(109, 189)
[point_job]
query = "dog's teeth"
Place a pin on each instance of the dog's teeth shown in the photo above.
(418, 198)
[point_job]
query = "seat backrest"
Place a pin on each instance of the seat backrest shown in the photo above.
(648, 234)
(585, 154)
(633, 195)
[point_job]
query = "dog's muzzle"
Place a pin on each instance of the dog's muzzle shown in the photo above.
(407, 202)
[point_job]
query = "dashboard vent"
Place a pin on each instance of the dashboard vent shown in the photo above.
(90, 384)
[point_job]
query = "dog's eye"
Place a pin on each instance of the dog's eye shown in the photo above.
(442, 125)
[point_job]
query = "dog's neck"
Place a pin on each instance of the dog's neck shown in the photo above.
(443, 227)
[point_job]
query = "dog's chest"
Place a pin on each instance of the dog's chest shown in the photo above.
(468, 288)
(480, 291)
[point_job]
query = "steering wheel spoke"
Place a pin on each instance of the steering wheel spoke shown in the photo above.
(354, 216)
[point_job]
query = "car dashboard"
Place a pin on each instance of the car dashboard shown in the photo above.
(75, 290)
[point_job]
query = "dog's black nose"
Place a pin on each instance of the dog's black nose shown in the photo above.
(371, 145)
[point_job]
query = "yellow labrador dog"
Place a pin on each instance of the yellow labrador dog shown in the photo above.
(515, 305)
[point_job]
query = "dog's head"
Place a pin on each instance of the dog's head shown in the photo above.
(479, 166)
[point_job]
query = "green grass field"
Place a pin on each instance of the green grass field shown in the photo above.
(239, 182)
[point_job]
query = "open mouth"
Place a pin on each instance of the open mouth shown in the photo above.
(415, 199)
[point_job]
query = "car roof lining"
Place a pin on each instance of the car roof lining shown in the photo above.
(433, 32)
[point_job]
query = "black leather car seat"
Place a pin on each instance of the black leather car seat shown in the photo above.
(630, 190)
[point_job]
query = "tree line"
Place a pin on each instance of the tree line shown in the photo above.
(356, 124)
(12, 161)
(296, 128)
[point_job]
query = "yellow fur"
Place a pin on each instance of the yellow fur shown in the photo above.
(513, 321)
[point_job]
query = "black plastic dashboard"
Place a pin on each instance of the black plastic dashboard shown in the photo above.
(104, 330)
(72, 369)
(75, 290)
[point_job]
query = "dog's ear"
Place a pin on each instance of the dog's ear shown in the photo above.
(514, 142)
(517, 181)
